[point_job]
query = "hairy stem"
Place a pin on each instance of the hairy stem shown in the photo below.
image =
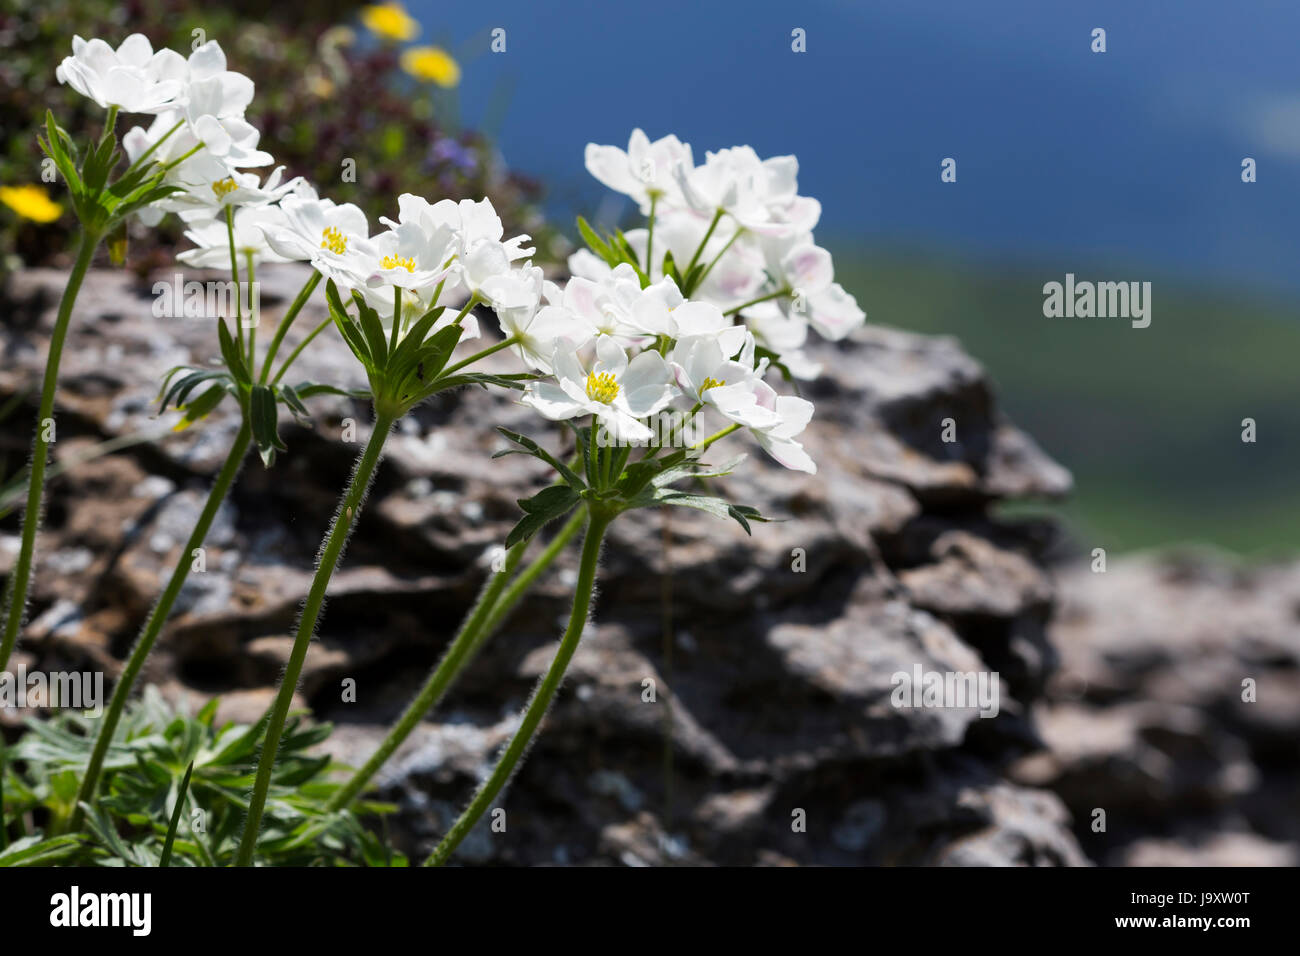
(542, 697)
(329, 559)
(21, 576)
(157, 619)
(488, 612)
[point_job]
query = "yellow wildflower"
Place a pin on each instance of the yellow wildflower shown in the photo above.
(390, 21)
(31, 202)
(431, 64)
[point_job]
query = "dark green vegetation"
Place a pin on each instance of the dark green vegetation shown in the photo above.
(176, 788)
(1148, 420)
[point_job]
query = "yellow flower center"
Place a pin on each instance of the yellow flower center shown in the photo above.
(224, 187)
(601, 387)
(711, 383)
(397, 262)
(334, 241)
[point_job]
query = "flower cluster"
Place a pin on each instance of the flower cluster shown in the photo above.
(735, 285)
(658, 331)
(740, 220)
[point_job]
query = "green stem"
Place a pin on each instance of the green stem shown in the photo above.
(526, 578)
(252, 329)
(714, 261)
(150, 151)
(4, 824)
(542, 697)
(786, 290)
(723, 433)
(488, 611)
(473, 301)
(234, 275)
(650, 238)
(21, 576)
(298, 351)
(295, 307)
(397, 319)
(513, 340)
(157, 620)
(333, 550)
(703, 242)
(180, 159)
(110, 124)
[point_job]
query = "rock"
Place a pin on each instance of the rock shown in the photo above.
(1175, 711)
(769, 736)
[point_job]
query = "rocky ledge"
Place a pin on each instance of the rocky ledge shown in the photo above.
(771, 737)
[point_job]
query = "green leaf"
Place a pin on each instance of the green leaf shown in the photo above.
(414, 340)
(373, 330)
(545, 506)
(351, 334)
(176, 818)
(289, 395)
(774, 361)
(436, 352)
(230, 354)
(55, 145)
(694, 469)
(308, 389)
(201, 407)
(98, 164)
(598, 245)
(537, 451)
(38, 850)
(693, 278)
(670, 269)
(718, 507)
(179, 390)
(262, 413)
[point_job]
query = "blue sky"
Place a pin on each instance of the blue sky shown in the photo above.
(1131, 157)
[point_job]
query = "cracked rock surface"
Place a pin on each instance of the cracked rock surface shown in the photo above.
(759, 731)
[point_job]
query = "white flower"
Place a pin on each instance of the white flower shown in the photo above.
(130, 77)
(761, 195)
(660, 311)
(251, 225)
(708, 377)
(414, 261)
(797, 264)
(321, 232)
(206, 199)
(478, 250)
(793, 415)
(783, 335)
(617, 392)
(646, 170)
(608, 305)
(517, 298)
(206, 68)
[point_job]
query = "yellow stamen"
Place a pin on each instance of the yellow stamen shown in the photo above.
(711, 383)
(601, 387)
(397, 262)
(334, 241)
(224, 187)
